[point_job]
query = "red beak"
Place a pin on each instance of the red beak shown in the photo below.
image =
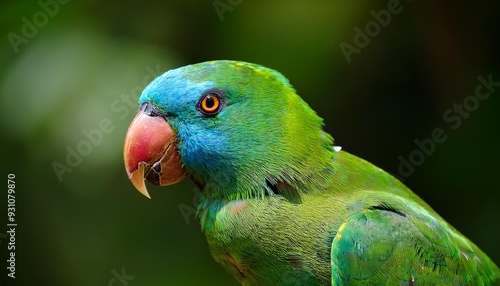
(150, 152)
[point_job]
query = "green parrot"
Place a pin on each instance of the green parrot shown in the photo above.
(280, 204)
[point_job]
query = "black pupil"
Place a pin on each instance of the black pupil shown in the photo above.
(209, 102)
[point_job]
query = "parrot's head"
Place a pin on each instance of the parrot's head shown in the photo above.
(236, 129)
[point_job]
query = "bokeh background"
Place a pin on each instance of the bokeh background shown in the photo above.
(72, 68)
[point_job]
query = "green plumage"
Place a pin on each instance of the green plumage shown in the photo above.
(280, 206)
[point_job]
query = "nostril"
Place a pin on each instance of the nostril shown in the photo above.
(149, 109)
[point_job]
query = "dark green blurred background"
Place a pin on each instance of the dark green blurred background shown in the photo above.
(74, 68)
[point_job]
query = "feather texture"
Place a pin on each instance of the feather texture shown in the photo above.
(281, 206)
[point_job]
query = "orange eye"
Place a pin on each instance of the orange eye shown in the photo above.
(211, 102)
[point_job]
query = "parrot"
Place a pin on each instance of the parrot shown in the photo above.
(280, 204)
